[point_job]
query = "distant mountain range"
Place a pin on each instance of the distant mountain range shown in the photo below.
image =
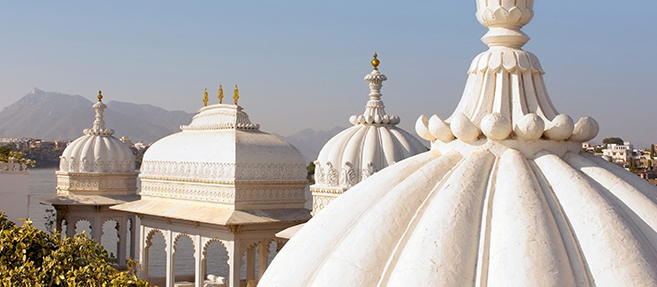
(55, 116)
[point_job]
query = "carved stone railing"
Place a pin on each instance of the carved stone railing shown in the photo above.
(12, 167)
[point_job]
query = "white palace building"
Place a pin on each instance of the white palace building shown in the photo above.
(503, 197)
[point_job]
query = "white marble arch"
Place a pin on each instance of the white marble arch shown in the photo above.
(96, 216)
(236, 241)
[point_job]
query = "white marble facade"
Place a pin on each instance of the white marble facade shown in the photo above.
(219, 180)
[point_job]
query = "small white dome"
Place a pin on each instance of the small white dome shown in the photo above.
(371, 144)
(97, 151)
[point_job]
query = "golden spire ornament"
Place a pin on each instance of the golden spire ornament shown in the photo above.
(221, 94)
(100, 96)
(237, 95)
(375, 62)
(205, 98)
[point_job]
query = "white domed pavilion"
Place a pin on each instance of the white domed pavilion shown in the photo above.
(95, 172)
(505, 196)
(219, 180)
(372, 143)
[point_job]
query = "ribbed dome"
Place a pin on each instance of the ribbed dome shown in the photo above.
(505, 197)
(97, 151)
(371, 144)
(487, 216)
(365, 148)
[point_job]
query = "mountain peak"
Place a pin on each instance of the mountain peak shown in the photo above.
(56, 116)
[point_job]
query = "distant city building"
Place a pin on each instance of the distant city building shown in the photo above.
(618, 153)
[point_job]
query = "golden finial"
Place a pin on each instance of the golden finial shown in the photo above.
(375, 62)
(205, 98)
(100, 96)
(221, 94)
(237, 95)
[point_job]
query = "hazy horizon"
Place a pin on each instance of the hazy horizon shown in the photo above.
(301, 64)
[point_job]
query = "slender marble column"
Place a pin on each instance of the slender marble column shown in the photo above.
(97, 228)
(170, 267)
(143, 252)
(234, 263)
(133, 236)
(250, 264)
(122, 242)
(263, 257)
(199, 272)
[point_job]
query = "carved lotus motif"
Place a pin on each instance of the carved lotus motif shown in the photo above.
(498, 12)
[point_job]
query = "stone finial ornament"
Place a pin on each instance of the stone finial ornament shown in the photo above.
(236, 95)
(507, 82)
(221, 94)
(205, 98)
(98, 127)
(375, 109)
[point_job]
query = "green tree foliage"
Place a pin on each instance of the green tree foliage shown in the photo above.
(631, 165)
(613, 140)
(311, 172)
(31, 257)
(652, 152)
(8, 154)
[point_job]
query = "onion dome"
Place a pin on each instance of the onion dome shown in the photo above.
(96, 168)
(372, 143)
(505, 196)
(219, 163)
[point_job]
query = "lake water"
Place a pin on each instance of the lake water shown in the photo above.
(42, 183)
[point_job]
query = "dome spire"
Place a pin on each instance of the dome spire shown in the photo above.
(98, 127)
(375, 109)
(505, 95)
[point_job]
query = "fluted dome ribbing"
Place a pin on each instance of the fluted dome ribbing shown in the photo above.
(505, 196)
(97, 151)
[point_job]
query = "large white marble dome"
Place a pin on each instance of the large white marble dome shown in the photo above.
(505, 196)
(97, 151)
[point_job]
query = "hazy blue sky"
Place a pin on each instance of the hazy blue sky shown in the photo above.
(301, 64)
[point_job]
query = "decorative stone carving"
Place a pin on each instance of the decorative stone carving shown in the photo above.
(348, 176)
(368, 170)
(218, 117)
(331, 175)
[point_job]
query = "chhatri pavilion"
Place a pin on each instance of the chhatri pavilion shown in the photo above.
(221, 180)
(97, 171)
